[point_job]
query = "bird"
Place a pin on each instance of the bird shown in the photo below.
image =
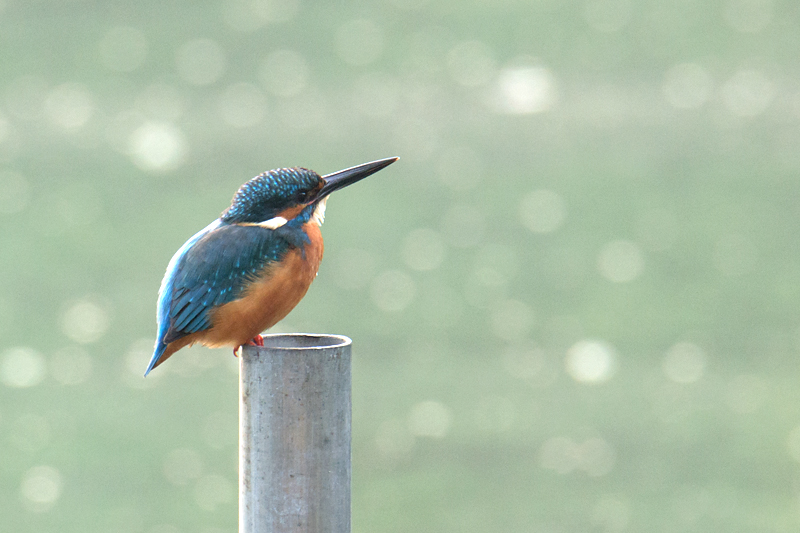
(246, 271)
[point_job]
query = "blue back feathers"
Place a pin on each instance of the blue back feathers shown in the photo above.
(264, 196)
(217, 269)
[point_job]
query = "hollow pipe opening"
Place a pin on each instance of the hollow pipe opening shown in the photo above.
(304, 341)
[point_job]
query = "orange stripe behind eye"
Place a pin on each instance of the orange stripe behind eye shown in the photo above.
(291, 212)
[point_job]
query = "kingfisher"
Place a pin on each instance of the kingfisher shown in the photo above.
(249, 268)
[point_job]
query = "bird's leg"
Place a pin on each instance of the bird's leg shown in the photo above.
(258, 340)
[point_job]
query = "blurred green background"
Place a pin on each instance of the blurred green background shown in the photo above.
(573, 300)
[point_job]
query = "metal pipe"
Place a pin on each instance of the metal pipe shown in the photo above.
(294, 435)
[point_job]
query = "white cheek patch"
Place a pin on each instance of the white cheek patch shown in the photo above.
(319, 212)
(273, 223)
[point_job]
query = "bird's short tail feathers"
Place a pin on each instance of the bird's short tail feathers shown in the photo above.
(156, 359)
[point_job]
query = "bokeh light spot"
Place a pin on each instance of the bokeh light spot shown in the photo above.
(157, 146)
(430, 419)
(684, 362)
(748, 93)
(542, 211)
(22, 367)
(591, 361)
(200, 62)
(620, 261)
(123, 49)
(285, 73)
(85, 321)
(393, 290)
(70, 106)
(525, 89)
(423, 249)
(359, 42)
(41, 488)
(687, 86)
(242, 105)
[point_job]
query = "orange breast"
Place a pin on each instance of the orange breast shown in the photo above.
(279, 288)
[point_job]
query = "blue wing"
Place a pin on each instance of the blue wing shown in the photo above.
(211, 269)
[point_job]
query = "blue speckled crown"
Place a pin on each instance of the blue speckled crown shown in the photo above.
(264, 196)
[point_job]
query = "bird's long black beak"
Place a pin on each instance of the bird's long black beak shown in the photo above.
(343, 178)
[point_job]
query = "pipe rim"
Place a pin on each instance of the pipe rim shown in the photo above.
(305, 341)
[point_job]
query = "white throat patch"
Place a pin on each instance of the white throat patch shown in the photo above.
(319, 213)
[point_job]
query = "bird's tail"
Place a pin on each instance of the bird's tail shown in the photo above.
(156, 359)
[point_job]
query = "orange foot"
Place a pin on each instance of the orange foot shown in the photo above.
(258, 340)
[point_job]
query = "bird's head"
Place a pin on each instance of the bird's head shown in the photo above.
(283, 193)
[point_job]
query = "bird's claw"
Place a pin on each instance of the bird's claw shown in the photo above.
(258, 340)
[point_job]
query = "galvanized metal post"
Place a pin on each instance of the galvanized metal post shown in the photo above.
(294, 435)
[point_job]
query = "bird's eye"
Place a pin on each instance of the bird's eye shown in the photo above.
(302, 196)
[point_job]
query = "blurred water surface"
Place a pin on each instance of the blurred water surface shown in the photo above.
(573, 300)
